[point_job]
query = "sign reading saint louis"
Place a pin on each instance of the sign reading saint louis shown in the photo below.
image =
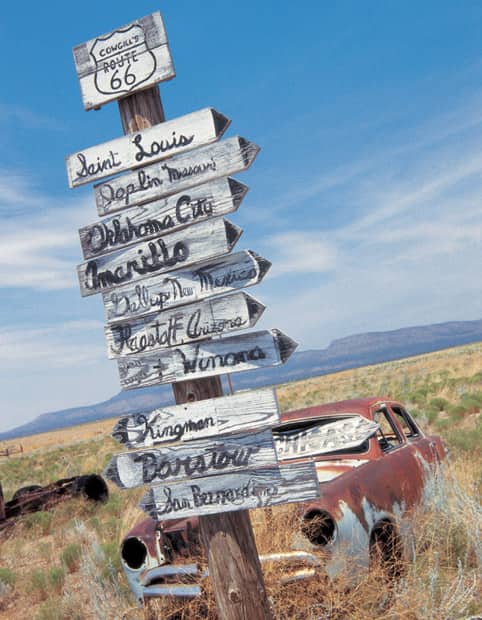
(183, 286)
(146, 147)
(120, 62)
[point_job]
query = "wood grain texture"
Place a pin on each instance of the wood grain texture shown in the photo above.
(214, 357)
(227, 492)
(240, 413)
(203, 280)
(178, 326)
(176, 174)
(342, 434)
(125, 60)
(145, 147)
(185, 247)
(203, 457)
(165, 215)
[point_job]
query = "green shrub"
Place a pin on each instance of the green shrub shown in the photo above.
(41, 520)
(439, 403)
(112, 560)
(56, 578)
(8, 577)
(50, 610)
(70, 557)
(39, 582)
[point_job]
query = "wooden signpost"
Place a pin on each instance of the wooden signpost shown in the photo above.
(161, 216)
(178, 174)
(160, 258)
(203, 280)
(182, 325)
(125, 60)
(196, 243)
(205, 359)
(243, 412)
(146, 147)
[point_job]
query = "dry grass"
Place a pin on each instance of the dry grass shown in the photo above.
(441, 582)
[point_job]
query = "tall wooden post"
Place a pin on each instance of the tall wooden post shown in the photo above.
(228, 537)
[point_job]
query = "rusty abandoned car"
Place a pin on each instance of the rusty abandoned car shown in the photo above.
(366, 490)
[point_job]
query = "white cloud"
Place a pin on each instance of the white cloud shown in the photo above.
(301, 252)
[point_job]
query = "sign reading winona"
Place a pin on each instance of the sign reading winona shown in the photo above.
(196, 243)
(146, 147)
(203, 280)
(189, 323)
(213, 357)
(127, 59)
(150, 220)
(177, 174)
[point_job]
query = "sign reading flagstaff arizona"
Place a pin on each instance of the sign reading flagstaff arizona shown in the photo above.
(189, 323)
(243, 412)
(204, 457)
(145, 147)
(213, 357)
(234, 491)
(162, 216)
(123, 61)
(176, 174)
(196, 243)
(203, 280)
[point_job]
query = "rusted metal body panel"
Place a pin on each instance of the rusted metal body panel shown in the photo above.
(365, 493)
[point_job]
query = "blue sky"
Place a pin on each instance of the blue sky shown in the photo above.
(366, 196)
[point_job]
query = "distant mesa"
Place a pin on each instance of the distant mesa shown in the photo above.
(343, 354)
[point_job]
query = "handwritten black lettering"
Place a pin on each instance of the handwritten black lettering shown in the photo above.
(163, 146)
(176, 174)
(88, 169)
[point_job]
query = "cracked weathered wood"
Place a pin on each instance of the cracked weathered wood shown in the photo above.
(184, 247)
(182, 286)
(178, 326)
(206, 359)
(239, 413)
(140, 148)
(242, 490)
(127, 59)
(165, 215)
(190, 460)
(176, 174)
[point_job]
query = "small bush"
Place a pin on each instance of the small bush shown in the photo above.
(50, 610)
(41, 521)
(438, 403)
(56, 578)
(39, 583)
(7, 577)
(70, 557)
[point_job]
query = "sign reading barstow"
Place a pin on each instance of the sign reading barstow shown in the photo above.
(145, 147)
(240, 490)
(123, 61)
(213, 357)
(182, 286)
(196, 243)
(162, 216)
(178, 326)
(203, 457)
(243, 412)
(177, 174)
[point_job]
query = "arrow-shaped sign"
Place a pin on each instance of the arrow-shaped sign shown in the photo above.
(166, 215)
(190, 323)
(146, 147)
(204, 457)
(214, 357)
(196, 243)
(241, 490)
(203, 280)
(242, 412)
(177, 174)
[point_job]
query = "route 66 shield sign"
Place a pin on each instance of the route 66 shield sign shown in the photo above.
(123, 60)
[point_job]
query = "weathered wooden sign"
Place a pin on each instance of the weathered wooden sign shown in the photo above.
(345, 434)
(177, 174)
(242, 490)
(178, 326)
(191, 460)
(120, 62)
(166, 215)
(145, 147)
(203, 280)
(214, 357)
(196, 243)
(242, 412)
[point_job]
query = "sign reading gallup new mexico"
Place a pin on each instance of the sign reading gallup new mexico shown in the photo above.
(123, 61)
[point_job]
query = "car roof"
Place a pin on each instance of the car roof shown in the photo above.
(359, 406)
